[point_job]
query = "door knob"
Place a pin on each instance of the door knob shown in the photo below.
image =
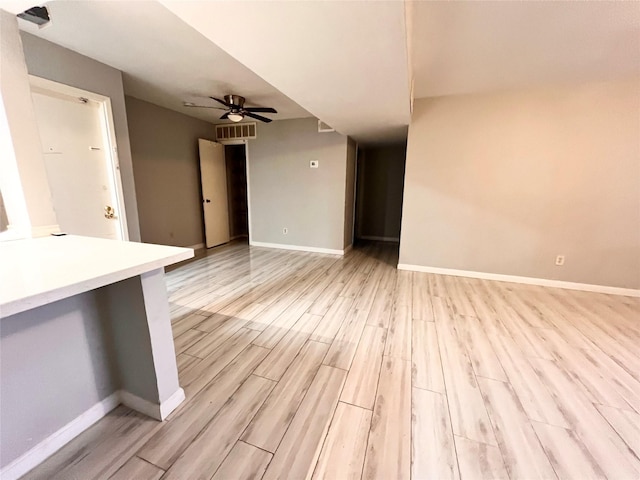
(109, 212)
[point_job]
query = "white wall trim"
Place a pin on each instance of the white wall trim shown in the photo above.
(54, 442)
(379, 239)
(197, 246)
(629, 292)
(57, 440)
(297, 248)
(153, 410)
(140, 404)
(44, 230)
(171, 403)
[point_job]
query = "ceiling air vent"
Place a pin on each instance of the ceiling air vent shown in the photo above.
(236, 131)
(323, 127)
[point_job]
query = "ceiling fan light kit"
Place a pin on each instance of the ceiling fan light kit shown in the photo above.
(235, 117)
(236, 111)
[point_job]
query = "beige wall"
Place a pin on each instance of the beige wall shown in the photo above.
(285, 192)
(349, 196)
(380, 181)
(503, 183)
(166, 163)
(47, 60)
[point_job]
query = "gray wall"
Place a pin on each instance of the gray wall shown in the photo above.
(285, 192)
(503, 183)
(54, 366)
(349, 196)
(166, 163)
(380, 184)
(47, 60)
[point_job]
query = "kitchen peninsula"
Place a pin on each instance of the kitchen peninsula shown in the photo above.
(84, 326)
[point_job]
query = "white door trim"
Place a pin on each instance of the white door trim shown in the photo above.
(246, 159)
(355, 191)
(49, 86)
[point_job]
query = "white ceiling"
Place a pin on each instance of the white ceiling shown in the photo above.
(164, 60)
(345, 61)
(467, 47)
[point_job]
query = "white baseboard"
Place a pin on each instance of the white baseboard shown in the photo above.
(544, 282)
(44, 230)
(54, 442)
(296, 247)
(57, 440)
(379, 239)
(197, 246)
(171, 403)
(153, 410)
(140, 404)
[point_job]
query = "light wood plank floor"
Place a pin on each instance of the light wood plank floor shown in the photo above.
(299, 365)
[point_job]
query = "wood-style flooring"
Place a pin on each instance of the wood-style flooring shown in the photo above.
(298, 365)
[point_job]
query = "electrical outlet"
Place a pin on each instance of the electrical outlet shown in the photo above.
(560, 260)
(314, 164)
(285, 230)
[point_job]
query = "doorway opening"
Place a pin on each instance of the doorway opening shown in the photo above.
(79, 149)
(236, 160)
(379, 192)
(224, 176)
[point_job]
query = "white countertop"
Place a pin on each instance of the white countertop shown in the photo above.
(38, 271)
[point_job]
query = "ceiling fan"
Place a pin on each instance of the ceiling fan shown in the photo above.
(236, 111)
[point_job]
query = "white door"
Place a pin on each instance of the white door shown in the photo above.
(213, 174)
(78, 164)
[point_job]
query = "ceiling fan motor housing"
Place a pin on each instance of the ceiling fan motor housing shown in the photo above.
(235, 100)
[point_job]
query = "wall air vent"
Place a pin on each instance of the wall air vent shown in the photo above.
(235, 131)
(323, 127)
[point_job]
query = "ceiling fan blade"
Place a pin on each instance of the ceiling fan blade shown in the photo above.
(257, 117)
(225, 116)
(261, 109)
(229, 105)
(202, 106)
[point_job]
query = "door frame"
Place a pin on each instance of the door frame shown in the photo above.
(48, 87)
(244, 142)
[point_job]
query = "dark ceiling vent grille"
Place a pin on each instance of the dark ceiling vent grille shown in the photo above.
(237, 131)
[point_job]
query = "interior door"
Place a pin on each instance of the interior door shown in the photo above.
(78, 164)
(213, 174)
